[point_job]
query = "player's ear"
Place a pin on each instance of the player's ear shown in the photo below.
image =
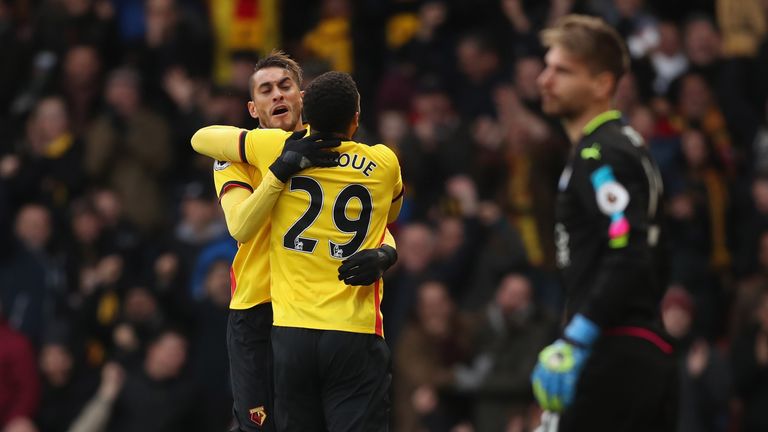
(301, 100)
(604, 85)
(252, 110)
(354, 124)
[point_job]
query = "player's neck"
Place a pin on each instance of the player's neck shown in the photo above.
(574, 127)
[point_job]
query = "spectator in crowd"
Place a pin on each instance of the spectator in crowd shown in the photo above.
(438, 138)
(698, 227)
(512, 331)
(416, 250)
(750, 368)
(754, 220)
(750, 288)
(534, 153)
(430, 49)
(523, 21)
(31, 280)
(185, 112)
(668, 59)
(67, 384)
(637, 26)
(431, 348)
(19, 385)
(175, 36)
(63, 24)
(96, 413)
(697, 108)
(208, 359)
(704, 373)
(80, 84)
(141, 139)
(200, 231)
(140, 319)
(331, 38)
(702, 46)
(87, 243)
(759, 145)
(158, 395)
(480, 72)
(48, 169)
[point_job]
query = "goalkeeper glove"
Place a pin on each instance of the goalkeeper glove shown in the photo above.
(367, 266)
(306, 152)
(557, 372)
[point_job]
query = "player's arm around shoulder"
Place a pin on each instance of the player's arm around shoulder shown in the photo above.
(246, 209)
(262, 146)
(223, 143)
(232, 144)
(234, 183)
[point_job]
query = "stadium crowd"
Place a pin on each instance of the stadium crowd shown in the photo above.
(114, 264)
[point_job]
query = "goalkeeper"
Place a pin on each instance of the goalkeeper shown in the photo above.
(611, 370)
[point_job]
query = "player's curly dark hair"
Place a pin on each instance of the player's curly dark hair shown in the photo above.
(330, 102)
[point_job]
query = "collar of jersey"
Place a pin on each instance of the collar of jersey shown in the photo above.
(600, 120)
(306, 126)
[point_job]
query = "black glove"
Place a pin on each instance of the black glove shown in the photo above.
(367, 266)
(306, 152)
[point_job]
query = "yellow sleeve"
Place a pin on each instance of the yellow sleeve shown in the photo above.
(397, 193)
(389, 240)
(262, 146)
(245, 212)
(227, 175)
(223, 143)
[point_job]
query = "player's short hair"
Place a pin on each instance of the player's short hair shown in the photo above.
(592, 40)
(278, 59)
(330, 102)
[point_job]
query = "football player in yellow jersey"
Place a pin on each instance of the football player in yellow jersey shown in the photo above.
(277, 103)
(331, 363)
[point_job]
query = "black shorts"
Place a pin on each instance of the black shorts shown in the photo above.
(330, 380)
(250, 365)
(628, 384)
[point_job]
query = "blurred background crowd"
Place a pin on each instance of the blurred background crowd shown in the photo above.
(114, 256)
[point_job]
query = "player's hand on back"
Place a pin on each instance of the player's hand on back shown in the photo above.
(367, 266)
(301, 152)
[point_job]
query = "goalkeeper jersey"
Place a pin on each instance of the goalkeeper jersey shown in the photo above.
(607, 227)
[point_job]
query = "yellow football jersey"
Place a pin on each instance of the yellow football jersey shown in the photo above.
(323, 216)
(249, 274)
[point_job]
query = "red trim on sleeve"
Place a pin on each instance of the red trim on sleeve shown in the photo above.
(243, 157)
(641, 333)
(402, 191)
(232, 281)
(233, 184)
(379, 329)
